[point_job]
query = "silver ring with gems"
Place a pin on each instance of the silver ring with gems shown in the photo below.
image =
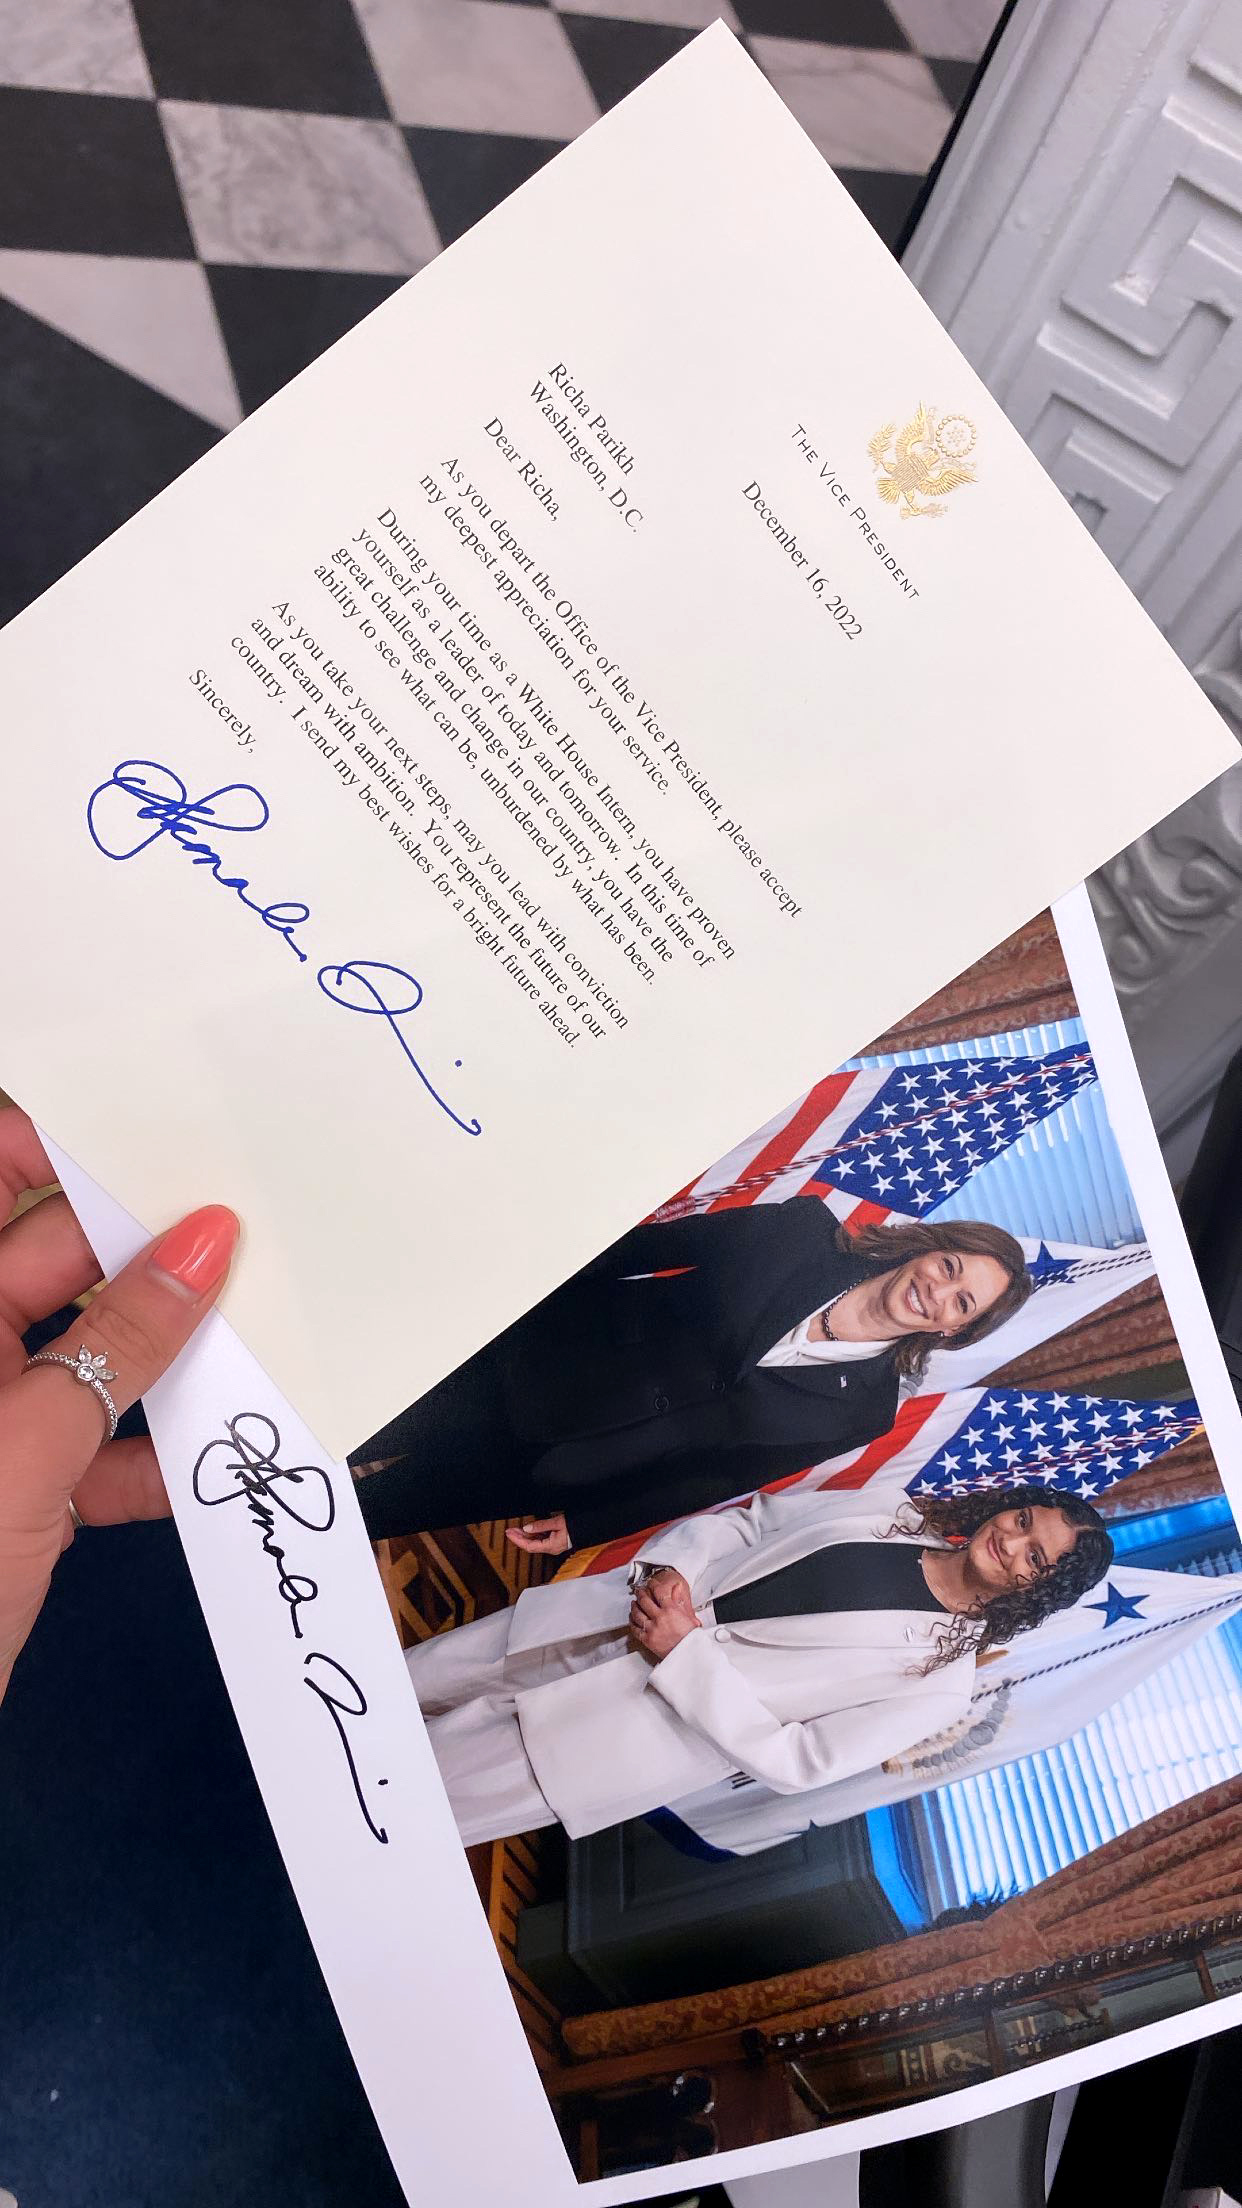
(92, 1372)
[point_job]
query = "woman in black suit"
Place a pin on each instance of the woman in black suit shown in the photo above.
(694, 1361)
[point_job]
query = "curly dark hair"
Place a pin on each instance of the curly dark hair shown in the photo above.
(995, 1623)
(887, 1248)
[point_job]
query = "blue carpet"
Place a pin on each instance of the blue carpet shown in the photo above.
(166, 2035)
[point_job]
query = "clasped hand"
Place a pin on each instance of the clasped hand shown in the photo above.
(662, 1613)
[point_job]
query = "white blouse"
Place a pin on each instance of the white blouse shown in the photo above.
(795, 1348)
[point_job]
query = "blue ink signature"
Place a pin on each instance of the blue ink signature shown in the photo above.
(354, 988)
(161, 796)
(238, 808)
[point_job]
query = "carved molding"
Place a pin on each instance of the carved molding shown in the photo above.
(1158, 900)
(1130, 1334)
(1021, 983)
(1162, 1880)
(1084, 247)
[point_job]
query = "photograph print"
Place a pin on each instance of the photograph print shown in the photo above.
(826, 1610)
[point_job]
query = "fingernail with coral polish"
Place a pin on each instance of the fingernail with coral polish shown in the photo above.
(194, 1255)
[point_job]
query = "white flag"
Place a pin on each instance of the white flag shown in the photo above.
(1053, 1681)
(1071, 1282)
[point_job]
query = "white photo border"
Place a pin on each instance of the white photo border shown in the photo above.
(401, 1938)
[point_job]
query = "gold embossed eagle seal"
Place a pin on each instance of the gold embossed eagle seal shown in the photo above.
(917, 467)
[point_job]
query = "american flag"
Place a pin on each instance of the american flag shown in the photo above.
(977, 1438)
(843, 1141)
(891, 1141)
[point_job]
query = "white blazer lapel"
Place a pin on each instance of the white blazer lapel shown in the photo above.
(830, 1518)
(827, 1520)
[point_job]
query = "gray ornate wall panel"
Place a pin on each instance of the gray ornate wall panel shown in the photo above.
(1084, 247)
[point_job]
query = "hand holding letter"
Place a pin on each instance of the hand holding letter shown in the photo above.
(51, 1431)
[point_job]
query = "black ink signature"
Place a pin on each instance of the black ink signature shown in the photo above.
(355, 1705)
(241, 1464)
(161, 796)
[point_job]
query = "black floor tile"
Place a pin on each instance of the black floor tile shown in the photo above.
(465, 173)
(616, 57)
(277, 320)
(85, 173)
(954, 78)
(885, 197)
(825, 22)
(305, 54)
(85, 447)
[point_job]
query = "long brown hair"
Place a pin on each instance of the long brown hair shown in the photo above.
(995, 1623)
(885, 1249)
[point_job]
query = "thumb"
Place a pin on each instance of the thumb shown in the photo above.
(136, 1325)
(51, 1427)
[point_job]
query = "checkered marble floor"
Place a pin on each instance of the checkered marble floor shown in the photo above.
(197, 196)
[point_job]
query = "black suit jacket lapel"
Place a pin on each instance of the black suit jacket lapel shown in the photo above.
(812, 1277)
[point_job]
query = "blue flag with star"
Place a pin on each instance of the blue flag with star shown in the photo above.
(1117, 1607)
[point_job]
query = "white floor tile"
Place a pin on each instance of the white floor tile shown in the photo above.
(864, 109)
(683, 15)
(952, 30)
(478, 65)
(155, 319)
(298, 191)
(73, 46)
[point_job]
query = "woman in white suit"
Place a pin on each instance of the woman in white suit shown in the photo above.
(793, 1640)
